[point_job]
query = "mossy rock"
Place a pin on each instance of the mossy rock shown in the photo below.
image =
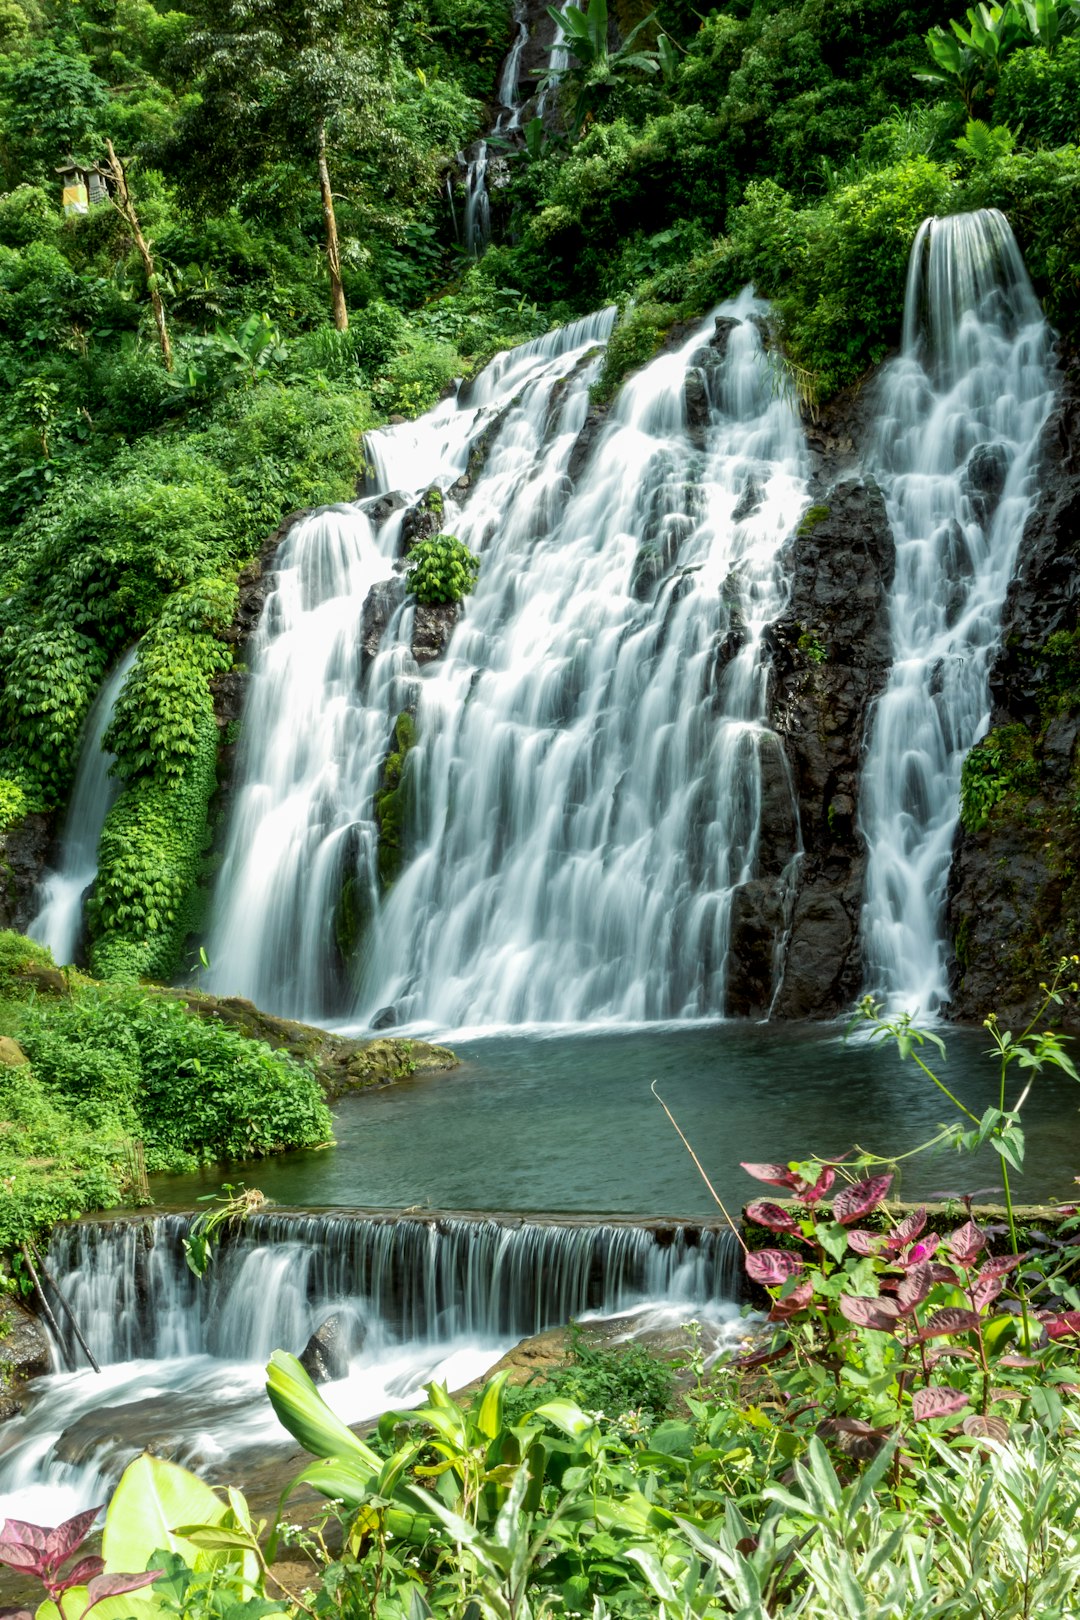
(379, 1062)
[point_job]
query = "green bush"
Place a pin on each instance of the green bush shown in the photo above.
(1040, 194)
(441, 569)
(1039, 94)
(1001, 764)
(632, 345)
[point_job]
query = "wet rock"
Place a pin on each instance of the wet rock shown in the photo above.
(696, 395)
(433, 625)
(325, 1357)
(1014, 886)
(585, 440)
(385, 1018)
(381, 507)
(24, 1354)
(341, 1063)
(757, 920)
(24, 850)
(381, 603)
(984, 480)
(831, 657)
(422, 521)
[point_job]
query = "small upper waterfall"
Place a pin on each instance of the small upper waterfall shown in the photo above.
(477, 219)
(587, 779)
(412, 1299)
(58, 921)
(960, 418)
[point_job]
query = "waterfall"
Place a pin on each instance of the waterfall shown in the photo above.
(318, 714)
(477, 219)
(588, 774)
(58, 920)
(961, 411)
(415, 1298)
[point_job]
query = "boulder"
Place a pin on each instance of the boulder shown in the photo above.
(326, 1355)
(25, 1353)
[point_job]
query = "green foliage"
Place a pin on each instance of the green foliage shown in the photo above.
(392, 801)
(441, 569)
(625, 1378)
(632, 345)
(1039, 94)
(983, 144)
(1000, 765)
(12, 803)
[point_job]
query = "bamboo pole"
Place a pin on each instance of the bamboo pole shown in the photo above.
(49, 1278)
(45, 1306)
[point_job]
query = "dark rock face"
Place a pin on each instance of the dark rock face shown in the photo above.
(24, 1354)
(380, 605)
(23, 852)
(1014, 891)
(433, 625)
(831, 656)
(325, 1357)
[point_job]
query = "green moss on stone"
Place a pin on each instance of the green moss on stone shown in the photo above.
(392, 801)
(810, 520)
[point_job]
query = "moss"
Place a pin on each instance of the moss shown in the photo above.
(632, 345)
(811, 647)
(392, 801)
(810, 520)
(1001, 765)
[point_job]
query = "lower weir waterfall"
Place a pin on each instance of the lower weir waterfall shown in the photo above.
(413, 1299)
(960, 417)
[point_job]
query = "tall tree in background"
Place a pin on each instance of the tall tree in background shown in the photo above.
(283, 80)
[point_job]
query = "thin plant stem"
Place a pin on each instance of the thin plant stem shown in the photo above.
(701, 1169)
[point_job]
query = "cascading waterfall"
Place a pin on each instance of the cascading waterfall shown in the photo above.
(477, 218)
(588, 772)
(316, 720)
(182, 1360)
(960, 420)
(58, 920)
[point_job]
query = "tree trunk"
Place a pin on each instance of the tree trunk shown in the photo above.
(333, 252)
(123, 204)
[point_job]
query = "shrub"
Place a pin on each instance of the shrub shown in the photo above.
(441, 569)
(1039, 94)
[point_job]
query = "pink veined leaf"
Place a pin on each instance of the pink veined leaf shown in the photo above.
(1060, 1327)
(944, 1274)
(104, 1586)
(986, 1290)
(907, 1230)
(1015, 1359)
(866, 1243)
(17, 1556)
(913, 1288)
(82, 1572)
(880, 1314)
(966, 1242)
(796, 1301)
(777, 1175)
(950, 1352)
(1001, 1265)
(771, 1267)
(986, 1428)
(30, 1535)
(855, 1202)
(936, 1401)
(918, 1254)
(813, 1193)
(69, 1536)
(951, 1320)
(762, 1213)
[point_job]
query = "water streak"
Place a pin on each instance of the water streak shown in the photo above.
(961, 414)
(58, 920)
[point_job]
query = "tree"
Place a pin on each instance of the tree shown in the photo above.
(282, 80)
(115, 175)
(596, 70)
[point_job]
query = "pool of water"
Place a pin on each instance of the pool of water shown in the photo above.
(567, 1122)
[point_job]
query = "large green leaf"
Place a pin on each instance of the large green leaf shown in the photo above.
(152, 1498)
(307, 1417)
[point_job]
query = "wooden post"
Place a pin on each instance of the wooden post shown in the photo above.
(45, 1306)
(70, 1314)
(333, 251)
(122, 202)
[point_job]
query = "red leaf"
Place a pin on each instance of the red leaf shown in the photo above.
(913, 1288)
(759, 1358)
(796, 1301)
(880, 1314)
(866, 1243)
(812, 1194)
(950, 1352)
(985, 1290)
(965, 1243)
(917, 1254)
(855, 1202)
(936, 1401)
(16, 1556)
(771, 1267)
(777, 1175)
(1060, 1327)
(30, 1535)
(951, 1320)
(944, 1274)
(82, 1572)
(853, 1437)
(907, 1230)
(104, 1586)
(69, 1536)
(762, 1213)
(1015, 1359)
(986, 1428)
(1001, 1265)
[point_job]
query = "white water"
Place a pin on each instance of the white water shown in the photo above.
(477, 219)
(588, 787)
(974, 382)
(58, 921)
(183, 1362)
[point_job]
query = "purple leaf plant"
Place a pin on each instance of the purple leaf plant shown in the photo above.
(31, 1549)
